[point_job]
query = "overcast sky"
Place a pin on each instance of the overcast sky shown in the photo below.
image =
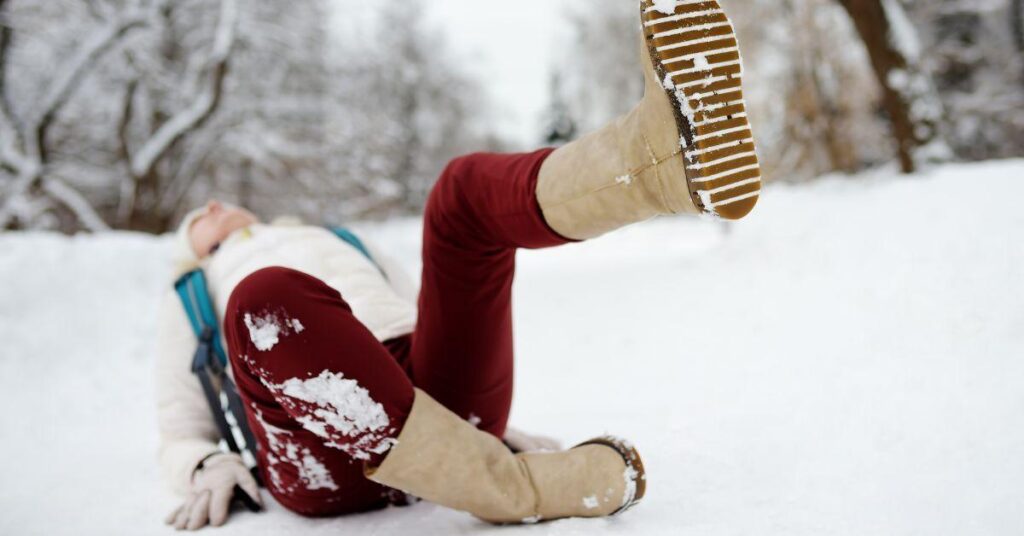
(510, 45)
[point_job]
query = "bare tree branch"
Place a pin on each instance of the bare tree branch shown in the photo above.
(127, 112)
(98, 9)
(183, 181)
(193, 116)
(126, 203)
(31, 163)
(8, 122)
(78, 205)
(1017, 23)
(6, 33)
(188, 172)
(70, 76)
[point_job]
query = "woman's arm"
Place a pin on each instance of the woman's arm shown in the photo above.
(187, 430)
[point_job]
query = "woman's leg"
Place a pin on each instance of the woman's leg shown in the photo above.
(322, 394)
(481, 210)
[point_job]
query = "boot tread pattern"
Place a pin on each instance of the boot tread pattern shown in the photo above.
(695, 52)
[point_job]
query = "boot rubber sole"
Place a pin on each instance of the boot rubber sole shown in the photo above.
(634, 475)
(695, 54)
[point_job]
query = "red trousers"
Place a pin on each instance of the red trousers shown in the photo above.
(323, 396)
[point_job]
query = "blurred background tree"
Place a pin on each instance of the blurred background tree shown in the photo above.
(909, 97)
(974, 52)
(125, 113)
(403, 109)
(839, 85)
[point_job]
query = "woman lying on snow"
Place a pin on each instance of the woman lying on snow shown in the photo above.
(352, 395)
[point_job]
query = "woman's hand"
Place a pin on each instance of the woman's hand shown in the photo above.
(213, 488)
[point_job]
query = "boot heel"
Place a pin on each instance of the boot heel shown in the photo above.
(635, 475)
(695, 53)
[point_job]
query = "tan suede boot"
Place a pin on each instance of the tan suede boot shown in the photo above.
(444, 459)
(685, 148)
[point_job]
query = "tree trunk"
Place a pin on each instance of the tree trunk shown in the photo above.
(245, 197)
(1017, 22)
(909, 95)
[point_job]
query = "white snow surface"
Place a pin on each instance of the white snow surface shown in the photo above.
(846, 361)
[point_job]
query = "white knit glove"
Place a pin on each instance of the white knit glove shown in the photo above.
(213, 487)
(523, 442)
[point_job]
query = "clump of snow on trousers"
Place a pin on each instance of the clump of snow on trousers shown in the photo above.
(313, 474)
(345, 414)
(265, 330)
(591, 502)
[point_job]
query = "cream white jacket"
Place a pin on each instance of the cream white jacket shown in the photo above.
(384, 303)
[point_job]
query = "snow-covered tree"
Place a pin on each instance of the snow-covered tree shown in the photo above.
(159, 104)
(95, 136)
(911, 101)
(261, 143)
(181, 88)
(976, 57)
(1017, 23)
(403, 109)
(811, 96)
(598, 72)
(560, 126)
(267, 148)
(32, 187)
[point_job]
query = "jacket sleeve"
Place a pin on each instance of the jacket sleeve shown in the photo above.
(187, 430)
(399, 278)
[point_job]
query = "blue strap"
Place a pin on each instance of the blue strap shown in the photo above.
(210, 361)
(195, 297)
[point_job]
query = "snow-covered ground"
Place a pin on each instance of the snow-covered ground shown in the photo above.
(846, 361)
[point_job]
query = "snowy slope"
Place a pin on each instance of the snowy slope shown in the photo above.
(846, 361)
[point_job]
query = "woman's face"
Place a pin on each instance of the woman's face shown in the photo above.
(219, 221)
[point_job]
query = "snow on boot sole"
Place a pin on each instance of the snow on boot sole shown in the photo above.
(695, 52)
(635, 474)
